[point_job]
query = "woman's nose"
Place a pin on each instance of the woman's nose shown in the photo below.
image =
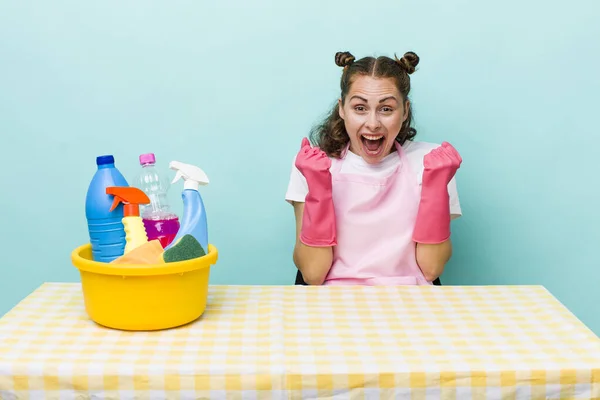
(373, 122)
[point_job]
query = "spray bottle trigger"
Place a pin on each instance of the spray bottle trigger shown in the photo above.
(116, 202)
(178, 176)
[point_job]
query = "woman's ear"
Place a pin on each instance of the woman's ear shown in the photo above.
(406, 108)
(340, 109)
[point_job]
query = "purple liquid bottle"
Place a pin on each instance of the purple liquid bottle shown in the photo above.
(161, 224)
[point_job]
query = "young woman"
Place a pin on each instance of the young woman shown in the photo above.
(372, 206)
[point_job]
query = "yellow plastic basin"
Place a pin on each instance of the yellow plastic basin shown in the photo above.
(144, 297)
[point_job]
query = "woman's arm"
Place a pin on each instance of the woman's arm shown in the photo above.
(313, 262)
(432, 226)
(432, 258)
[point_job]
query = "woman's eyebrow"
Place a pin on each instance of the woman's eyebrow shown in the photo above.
(360, 98)
(381, 101)
(388, 98)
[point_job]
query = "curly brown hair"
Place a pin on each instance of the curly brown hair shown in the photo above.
(330, 135)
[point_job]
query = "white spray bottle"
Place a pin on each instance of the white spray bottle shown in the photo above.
(194, 215)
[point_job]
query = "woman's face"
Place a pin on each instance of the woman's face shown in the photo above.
(373, 113)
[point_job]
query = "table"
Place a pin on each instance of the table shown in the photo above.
(298, 342)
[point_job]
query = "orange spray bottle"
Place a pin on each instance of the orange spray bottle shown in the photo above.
(131, 197)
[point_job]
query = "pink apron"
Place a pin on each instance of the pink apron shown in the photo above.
(375, 219)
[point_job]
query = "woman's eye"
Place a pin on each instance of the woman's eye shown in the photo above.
(359, 108)
(387, 109)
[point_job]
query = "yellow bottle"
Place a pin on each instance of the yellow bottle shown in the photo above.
(131, 197)
(135, 233)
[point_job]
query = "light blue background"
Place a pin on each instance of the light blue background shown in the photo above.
(513, 85)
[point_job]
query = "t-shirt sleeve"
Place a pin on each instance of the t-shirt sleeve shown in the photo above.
(297, 187)
(455, 210)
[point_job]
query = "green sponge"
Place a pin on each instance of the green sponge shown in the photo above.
(185, 248)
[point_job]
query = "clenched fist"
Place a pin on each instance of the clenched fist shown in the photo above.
(313, 163)
(440, 165)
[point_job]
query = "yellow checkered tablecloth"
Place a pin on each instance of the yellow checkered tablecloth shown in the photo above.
(294, 342)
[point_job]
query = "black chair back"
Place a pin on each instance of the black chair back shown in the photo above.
(300, 280)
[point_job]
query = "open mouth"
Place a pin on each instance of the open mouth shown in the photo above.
(372, 144)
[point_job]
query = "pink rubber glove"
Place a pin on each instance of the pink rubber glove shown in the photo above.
(433, 218)
(318, 220)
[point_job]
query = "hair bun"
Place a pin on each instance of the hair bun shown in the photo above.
(344, 59)
(408, 62)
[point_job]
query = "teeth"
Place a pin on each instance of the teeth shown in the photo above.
(372, 137)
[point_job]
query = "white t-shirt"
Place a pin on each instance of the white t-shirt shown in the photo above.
(414, 151)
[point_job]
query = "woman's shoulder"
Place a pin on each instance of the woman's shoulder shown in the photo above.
(415, 152)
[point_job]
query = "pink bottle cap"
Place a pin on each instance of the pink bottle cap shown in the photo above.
(147, 159)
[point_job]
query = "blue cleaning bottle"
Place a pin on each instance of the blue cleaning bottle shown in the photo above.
(105, 227)
(194, 215)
